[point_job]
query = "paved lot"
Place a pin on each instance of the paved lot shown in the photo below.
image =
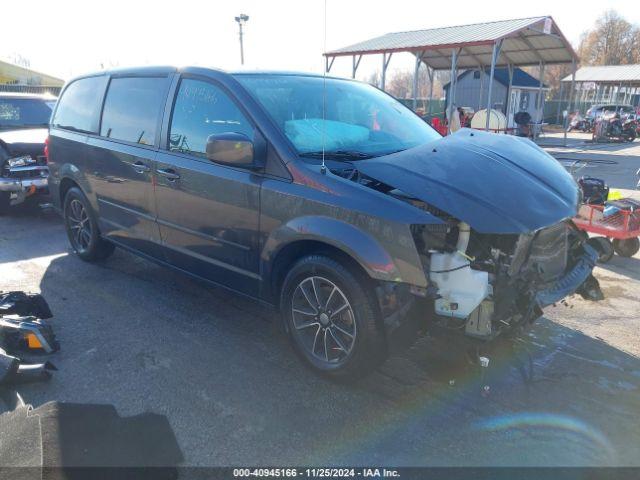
(147, 339)
(616, 163)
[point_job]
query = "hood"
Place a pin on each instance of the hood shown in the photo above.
(23, 141)
(495, 183)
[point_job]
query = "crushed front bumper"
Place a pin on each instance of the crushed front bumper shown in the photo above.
(573, 281)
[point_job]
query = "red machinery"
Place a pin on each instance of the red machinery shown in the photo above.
(618, 220)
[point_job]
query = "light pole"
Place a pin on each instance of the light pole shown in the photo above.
(241, 19)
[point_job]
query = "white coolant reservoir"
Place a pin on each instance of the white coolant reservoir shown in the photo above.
(462, 289)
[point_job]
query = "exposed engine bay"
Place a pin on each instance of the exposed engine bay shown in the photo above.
(483, 284)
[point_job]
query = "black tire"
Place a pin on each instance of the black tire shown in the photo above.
(604, 248)
(627, 247)
(5, 202)
(352, 340)
(85, 239)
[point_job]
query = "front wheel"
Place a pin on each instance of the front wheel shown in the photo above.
(332, 318)
(82, 228)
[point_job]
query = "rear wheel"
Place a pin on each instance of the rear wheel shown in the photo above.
(82, 228)
(627, 247)
(332, 318)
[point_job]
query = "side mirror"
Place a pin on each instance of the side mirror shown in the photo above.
(235, 149)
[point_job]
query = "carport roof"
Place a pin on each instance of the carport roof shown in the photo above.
(526, 41)
(608, 74)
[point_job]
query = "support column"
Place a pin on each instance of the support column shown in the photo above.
(355, 63)
(481, 87)
(494, 58)
(540, 103)
(508, 103)
(573, 84)
(559, 103)
(386, 58)
(328, 64)
(431, 74)
(454, 70)
(618, 92)
(416, 72)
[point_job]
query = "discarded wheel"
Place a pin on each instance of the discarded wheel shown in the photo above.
(627, 247)
(604, 248)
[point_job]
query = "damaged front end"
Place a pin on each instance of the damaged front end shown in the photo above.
(486, 284)
(506, 247)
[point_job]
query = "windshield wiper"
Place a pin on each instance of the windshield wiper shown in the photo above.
(350, 154)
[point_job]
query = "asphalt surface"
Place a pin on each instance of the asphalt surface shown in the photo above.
(145, 338)
(616, 163)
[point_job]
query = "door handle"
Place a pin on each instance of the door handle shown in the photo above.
(169, 173)
(140, 167)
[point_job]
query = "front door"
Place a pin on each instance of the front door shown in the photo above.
(123, 160)
(208, 213)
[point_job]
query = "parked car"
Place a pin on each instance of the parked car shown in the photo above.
(325, 198)
(24, 120)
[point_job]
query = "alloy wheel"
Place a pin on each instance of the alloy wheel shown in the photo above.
(323, 320)
(79, 225)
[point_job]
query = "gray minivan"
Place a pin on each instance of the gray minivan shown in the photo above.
(323, 197)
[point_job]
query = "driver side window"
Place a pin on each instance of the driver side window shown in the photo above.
(202, 109)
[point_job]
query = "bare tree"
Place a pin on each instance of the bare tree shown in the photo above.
(373, 78)
(553, 75)
(401, 84)
(612, 41)
(18, 59)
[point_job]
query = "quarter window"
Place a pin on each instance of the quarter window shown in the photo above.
(132, 109)
(79, 106)
(202, 109)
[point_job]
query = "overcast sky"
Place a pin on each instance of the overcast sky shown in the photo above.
(67, 37)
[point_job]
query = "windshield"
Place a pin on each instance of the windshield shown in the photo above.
(358, 121)
(25, 112)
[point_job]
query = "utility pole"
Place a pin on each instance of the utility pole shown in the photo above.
(241, 19)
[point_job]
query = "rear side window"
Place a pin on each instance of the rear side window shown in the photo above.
(202, 109)
(132, 108)
(79, 106)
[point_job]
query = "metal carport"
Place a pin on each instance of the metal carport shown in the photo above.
(535, 41)
(608, 79)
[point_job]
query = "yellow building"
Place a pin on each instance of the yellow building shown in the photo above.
(17, 78)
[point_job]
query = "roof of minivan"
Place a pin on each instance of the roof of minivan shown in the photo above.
(165, 70)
